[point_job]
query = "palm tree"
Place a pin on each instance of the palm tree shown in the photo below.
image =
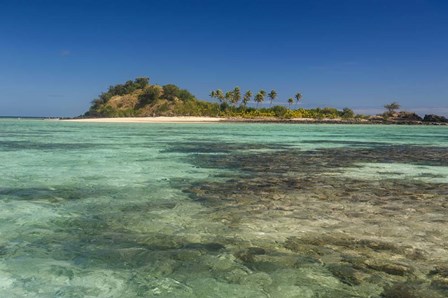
(219, 95)
(259, 97)
(228, 96)
(247, 97)
(272, 95)
(263, 94)
(236, 95)
(213, 94)
(290, 101)
(298, 97)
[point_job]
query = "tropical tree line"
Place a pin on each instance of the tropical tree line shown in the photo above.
(234, 97)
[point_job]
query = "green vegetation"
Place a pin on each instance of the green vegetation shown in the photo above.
(272, 95)
(391, 109)
(247, 97)
(139, 98)
(259, 97)
(290, 101)
(298, 97)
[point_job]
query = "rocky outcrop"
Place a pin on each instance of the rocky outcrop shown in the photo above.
(408, 116)
(435, 118)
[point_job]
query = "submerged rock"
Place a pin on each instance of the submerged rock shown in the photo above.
(296, 212)
(259, 279)
(389, 267)
(440, 283)
(439, 276)
(346, 274)
(400, 291)
(256, 250)
(440, 270)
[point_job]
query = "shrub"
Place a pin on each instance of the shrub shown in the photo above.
(148, 96)
(347, 113)
(279, 111)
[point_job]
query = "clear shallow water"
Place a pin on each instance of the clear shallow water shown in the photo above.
(222, 210)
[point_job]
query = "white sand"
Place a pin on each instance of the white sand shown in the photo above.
(151, 120)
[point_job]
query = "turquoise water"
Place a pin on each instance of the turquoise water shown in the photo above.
(222, 210)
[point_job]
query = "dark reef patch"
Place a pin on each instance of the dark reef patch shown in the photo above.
(305, 187)
(221, 147)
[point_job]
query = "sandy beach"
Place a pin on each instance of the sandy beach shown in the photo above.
(185, 119)
(190, 119)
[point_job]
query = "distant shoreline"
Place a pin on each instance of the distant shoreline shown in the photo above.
(189, 119)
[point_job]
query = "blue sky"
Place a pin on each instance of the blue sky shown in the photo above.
(56, 56)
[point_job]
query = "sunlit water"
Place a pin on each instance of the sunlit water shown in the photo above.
(222, 210)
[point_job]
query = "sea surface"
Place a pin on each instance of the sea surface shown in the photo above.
(222, 210)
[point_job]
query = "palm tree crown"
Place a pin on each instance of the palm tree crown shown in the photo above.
(236, 96)
(290, 101)
(272, 95)
(298, 97)
(247, 97)
(259, 97)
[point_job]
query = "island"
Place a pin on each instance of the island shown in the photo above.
(139, 101)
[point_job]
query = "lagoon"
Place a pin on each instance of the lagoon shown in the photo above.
(222, 210)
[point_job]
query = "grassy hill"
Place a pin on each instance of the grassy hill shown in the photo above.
(138, 98)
